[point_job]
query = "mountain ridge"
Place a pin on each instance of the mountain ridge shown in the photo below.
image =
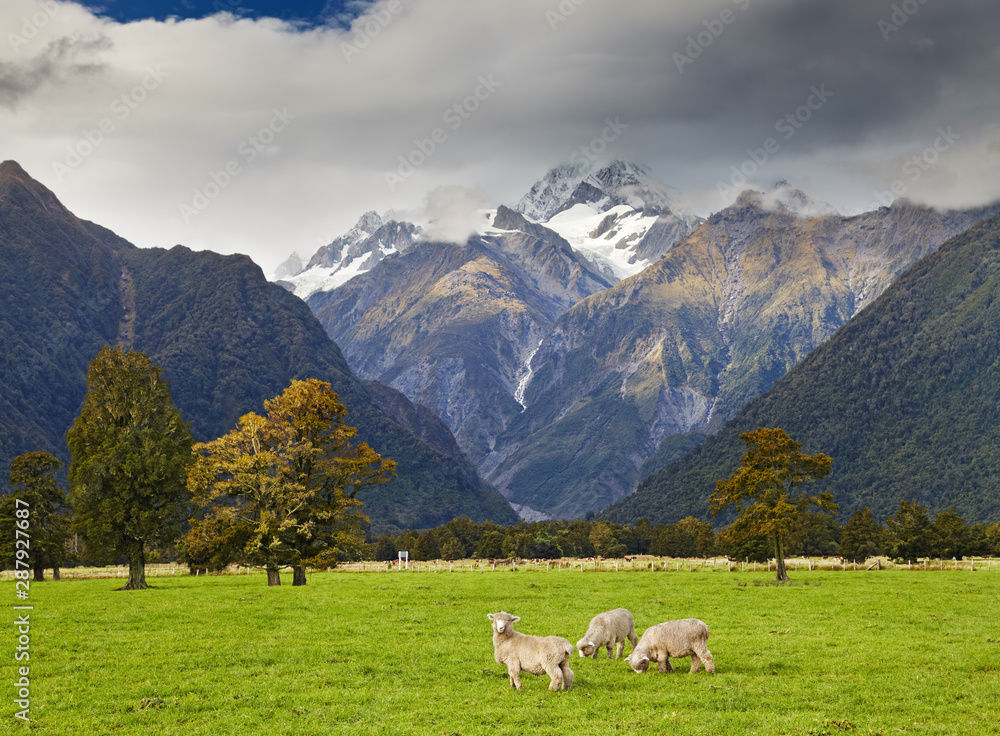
(903, 397)
(225, 337)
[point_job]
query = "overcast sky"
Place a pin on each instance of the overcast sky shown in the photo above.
(236, 132)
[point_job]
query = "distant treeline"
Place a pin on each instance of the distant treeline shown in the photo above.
(908, 534)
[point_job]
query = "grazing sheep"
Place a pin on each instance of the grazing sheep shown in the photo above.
(534, 654)
(685, 638)
(610, 629)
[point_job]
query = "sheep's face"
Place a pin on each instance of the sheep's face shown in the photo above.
(586, 648)
(640, 663)
(503, 622)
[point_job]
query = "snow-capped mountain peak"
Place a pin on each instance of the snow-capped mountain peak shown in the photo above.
(358, 250)
(617, 183)
(550, 193)
(617, 216)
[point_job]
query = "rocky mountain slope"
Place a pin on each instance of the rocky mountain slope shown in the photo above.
(682, 346)
(903, 398)
(561, 390)
(452, 326)
(225, 338)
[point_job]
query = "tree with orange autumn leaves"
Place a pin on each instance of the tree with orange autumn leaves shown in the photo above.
(280, 490)
(767, 488)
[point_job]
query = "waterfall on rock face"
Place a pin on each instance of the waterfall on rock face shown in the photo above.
(519, 393)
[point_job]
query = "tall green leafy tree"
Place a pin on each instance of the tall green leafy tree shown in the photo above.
(861, 536)
(129, 452)
(953, 537)
(281, 490)
(909, 533)
(33, 482)
(769, 488)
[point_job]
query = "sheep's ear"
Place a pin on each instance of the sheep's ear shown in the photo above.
(515, 619)
(645, 658)
(489, 616)
(590, 643)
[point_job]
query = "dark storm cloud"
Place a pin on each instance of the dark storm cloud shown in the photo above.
(887, 70)
(389, 103)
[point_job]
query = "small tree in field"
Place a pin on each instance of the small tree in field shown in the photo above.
(129, 451)
(767, 489)
(282, 489)
(33, 482)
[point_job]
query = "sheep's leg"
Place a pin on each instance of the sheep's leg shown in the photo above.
(632, 638)
(514, 672)
(611, 647)
(567, 674)
(554, 671)
(665, 666)
(695, 663)
(706, 657)
(619, 648)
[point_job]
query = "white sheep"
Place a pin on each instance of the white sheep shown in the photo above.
(534, 654)
(687, 637)
(610, 629)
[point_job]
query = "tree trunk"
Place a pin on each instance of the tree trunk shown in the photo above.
(39, 570)
(55, 573)
(298, 575)
(273, 575)
(136, 567)
(779, 559)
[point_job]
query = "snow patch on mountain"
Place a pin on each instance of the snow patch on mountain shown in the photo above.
(607, 239)
(323, 278)
(372, 239)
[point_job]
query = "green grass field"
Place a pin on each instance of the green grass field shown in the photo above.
(403, 653)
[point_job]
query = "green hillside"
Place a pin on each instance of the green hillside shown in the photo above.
(905, 398)
(60, 305)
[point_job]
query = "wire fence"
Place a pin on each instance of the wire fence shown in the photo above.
(638, 564)
(666, 564)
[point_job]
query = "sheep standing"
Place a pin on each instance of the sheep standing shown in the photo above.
(610, 629)
(535, 654)
(684, 638)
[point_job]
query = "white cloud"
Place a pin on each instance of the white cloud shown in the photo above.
(219, 80)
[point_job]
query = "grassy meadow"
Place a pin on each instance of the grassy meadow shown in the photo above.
(867, 652)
